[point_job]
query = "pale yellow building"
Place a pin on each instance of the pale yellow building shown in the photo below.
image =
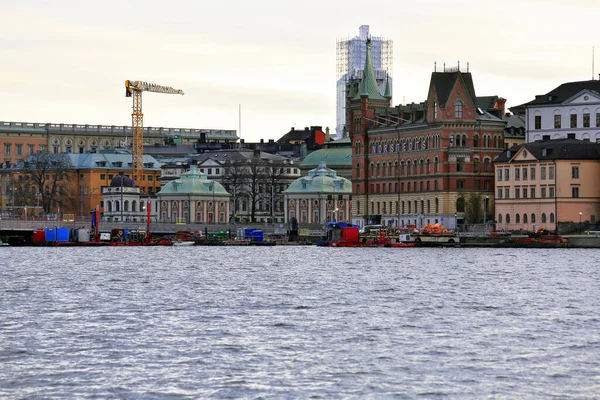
(544, 183)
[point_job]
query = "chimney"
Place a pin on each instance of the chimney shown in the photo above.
(570, 136)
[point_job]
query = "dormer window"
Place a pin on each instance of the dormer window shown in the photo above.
(458, 109)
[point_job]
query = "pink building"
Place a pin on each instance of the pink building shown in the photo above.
(544, 183)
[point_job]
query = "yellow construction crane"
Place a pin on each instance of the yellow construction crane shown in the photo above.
(134, 89)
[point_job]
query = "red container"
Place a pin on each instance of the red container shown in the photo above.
(39, 236)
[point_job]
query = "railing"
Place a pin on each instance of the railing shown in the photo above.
(28, 126)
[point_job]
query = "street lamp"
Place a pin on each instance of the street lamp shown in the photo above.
(455, 222)
(580, 214)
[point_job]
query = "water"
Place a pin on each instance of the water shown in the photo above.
(299, 322)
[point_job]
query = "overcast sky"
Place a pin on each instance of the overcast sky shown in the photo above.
(66, 61)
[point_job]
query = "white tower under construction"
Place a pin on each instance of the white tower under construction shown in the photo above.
(351, 53)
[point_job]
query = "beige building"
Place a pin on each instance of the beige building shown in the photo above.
(20, 139)
(544, 183)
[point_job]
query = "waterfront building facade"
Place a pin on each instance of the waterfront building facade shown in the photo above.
(350, 55)
(318, 198)
(193, 199)
(547, 182)
(122, 201)
(82, 187)
(426, 163)
(571, 108)
(21, 139)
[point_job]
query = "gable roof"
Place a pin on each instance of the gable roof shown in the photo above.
(556, 149)
(444, 82)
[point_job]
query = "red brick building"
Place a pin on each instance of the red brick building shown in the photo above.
(422, 163)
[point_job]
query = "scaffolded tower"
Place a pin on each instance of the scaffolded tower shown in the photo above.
(351, 53)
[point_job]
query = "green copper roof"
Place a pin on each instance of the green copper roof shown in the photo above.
(368, 84)
(388, 89)
(320, 180)
(193, 183)
(337, 157)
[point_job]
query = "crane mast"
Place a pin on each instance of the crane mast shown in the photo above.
(135, 89)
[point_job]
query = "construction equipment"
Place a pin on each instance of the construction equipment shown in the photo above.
(134, 89)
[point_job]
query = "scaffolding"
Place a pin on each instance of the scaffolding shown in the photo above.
(350, 61)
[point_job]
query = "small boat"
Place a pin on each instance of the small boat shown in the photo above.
(183, 243)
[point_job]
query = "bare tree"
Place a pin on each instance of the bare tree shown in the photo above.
(474, 208)
(273, 177)
(254, 181)
(234, 176)
(45, 178)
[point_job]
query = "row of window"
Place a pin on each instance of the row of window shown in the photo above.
(504, 193)
(19, 149)
(461, 140)
(521, 173)
(421, 167)
(403, 207)
(526, 219)
(573, 121)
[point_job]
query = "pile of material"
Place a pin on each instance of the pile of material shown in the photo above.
(436, 229)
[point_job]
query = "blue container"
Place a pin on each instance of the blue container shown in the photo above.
(258, 236)
(126, 235)
(63, 234)
(50, 234)
(248, 233)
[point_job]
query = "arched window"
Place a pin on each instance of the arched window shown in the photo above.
(422, 166)
(543, 218)
(437, 205)
(428, 206)
(517, 219)
(428, 166)
(415, 166)
(126, 206)
(463, 141)
(499, 218)
(133, 206)
(476, 165)
(476, 141)
(390, 168)
(497, 142)
(378, 170)
(358, 170)
(372, 169)
(402, 167)
(532, 218)
(451, 140)
(458, 109)
(109, 206)
(408, 167)
(436, 162)
(486, 165)
(551, 218)
(434, 110)
(508, 218)
(524, 218)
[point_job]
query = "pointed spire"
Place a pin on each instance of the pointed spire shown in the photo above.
(388, 89)
(368, 84)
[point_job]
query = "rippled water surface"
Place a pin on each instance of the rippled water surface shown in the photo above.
(299, 322)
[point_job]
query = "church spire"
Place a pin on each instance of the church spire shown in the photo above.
(368, 84)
